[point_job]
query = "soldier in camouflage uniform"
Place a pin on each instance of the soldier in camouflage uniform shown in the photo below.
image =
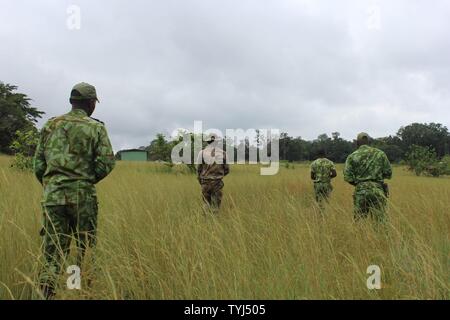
(322, 171)
(366, 169)
(74, 153)
(212, 168)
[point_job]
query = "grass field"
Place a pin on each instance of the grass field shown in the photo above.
(269, 241)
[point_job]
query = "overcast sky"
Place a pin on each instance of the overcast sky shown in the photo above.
(305, 67)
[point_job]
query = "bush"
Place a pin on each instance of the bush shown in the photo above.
(445, 165)
(24, 146)
(422, 159)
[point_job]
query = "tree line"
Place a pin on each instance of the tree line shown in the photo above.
(411, 144)
(432, 136)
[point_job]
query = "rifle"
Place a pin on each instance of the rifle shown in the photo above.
(385, 189)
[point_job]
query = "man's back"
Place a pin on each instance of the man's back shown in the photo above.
(322, 169)
(367, 164)
(212, 163)
(73, 154)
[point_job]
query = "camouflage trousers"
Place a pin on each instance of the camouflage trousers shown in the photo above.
(62, 224)
(212, 192)
(322, 191)
(370, 201)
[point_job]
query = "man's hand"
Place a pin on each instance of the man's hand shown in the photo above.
(333, 174)
(385, 189)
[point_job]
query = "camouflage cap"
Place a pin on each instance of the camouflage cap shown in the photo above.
(212, 137)
(86, 91)
(363, 136)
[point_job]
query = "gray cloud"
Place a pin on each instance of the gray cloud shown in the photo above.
(305, 67)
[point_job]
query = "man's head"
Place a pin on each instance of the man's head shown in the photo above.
(84, 96)
(362, 139)
(211, 138)
(321, 153)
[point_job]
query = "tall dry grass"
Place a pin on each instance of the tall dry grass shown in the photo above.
(269, 242)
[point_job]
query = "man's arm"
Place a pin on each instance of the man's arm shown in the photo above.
(333, 173)
(39, 163)
(226, 169)
(104, 156)
(387, 168)
(199, 170)
(348, 172)
(313, 171)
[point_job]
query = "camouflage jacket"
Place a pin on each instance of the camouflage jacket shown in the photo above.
(367, 164)
(73, 154)
(212, 163)
(322, 169)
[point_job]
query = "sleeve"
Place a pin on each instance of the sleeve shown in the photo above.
(333, 166)
(387, 168)
(39, 163)
(348, 171)
(104, 156)
(313, 171)
(333, 170)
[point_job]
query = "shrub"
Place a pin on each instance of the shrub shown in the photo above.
(422, 159)
(24, 146)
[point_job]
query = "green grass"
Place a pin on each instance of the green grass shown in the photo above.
(269, 241)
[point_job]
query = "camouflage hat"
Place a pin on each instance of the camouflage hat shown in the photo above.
(212, 137)
(86, 91)
(362, 136)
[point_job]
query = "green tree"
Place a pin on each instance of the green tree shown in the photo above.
(445, 165)
(336, 148)
(339, 149)
(284, 144)
(392, 146)
(23, 146)
(159, 149)
(433, 135)
(422, 160)
(15, 114)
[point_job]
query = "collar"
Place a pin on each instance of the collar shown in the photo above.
(78, 112)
